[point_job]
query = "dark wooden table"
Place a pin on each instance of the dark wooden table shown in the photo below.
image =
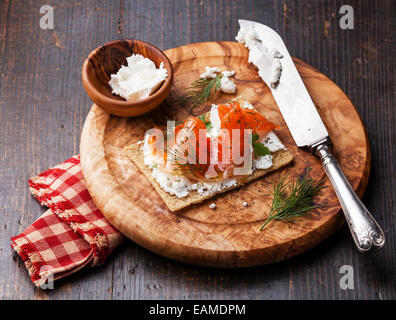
(43, 108)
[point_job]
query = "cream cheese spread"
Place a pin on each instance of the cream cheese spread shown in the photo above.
(272, 142)
(226, 84)
(210, 72)
(181, 186)
(138, 79)
(214, 119)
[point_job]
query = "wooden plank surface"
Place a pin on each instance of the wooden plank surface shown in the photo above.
(43, 107)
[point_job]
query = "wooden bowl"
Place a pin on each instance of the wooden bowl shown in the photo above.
(107, 60)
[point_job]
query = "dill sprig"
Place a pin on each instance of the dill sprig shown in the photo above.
(199, 91)
(186, 167)
(180, 151)
(293, 198)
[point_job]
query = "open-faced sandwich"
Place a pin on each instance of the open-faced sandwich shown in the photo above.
(225, 148)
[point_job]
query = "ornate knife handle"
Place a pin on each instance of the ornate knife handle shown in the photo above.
(365, 230)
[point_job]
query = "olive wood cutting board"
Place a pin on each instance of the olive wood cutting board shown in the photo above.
(230, 235)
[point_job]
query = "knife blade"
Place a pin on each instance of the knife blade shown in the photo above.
(308, 130)
(290, 94)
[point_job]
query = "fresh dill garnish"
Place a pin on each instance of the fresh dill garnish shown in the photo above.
(259, 149)
(294, 198)
(181, 157)
(199, 91)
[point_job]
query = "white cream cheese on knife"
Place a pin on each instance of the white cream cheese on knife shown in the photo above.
(139, 79)
(267, 60)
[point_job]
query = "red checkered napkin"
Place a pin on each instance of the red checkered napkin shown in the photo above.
(72, 233)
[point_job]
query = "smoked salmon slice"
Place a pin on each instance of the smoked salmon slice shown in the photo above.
(231, 116)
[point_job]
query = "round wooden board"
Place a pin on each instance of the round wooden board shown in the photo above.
(228, 236)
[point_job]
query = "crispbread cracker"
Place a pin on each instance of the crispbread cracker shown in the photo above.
(135, 154)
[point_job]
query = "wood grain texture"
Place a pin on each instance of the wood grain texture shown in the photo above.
(43, 107)
(229, 236)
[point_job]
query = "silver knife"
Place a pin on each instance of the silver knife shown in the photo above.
(308, 130)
